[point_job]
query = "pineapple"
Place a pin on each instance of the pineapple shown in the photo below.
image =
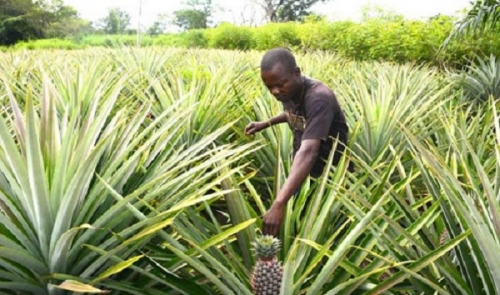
(268, 271)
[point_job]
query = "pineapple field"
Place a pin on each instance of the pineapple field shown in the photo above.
(127, 171)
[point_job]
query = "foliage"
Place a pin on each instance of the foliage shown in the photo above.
(381, 99)
(135, 162)
(92, 183)
(276, 35)
(482, 17)
(15, 21)
(229, 36)
(160, 25)
(287, 10)
(116, 22)
(193, 39)
(385, 38)
(26, 19)
(188, 19)
(371, 11)
(480, 81)
(156, 28)
(197, 16)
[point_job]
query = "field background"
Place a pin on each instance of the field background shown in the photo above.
(384, 38)
(124, 168)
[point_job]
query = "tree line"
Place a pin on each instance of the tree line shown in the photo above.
(22, 20)
(28, 19)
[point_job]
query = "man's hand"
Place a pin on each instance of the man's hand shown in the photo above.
(255, 127)
(272, 220)
(301, 167)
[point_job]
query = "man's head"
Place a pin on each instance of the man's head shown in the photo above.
(280, 74)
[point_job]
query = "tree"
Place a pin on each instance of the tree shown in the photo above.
(156, 28)
(197, 16)
(380, 13)
(189, 19)
(27, 19)
(61, 20)
(483, 16)
(248, 16)
(116, 22)
(15, 24)
(286, 10)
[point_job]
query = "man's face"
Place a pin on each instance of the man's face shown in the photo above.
(282, 84)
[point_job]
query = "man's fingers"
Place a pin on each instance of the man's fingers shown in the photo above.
(274, 231)
(270, 229)
(265, 229)
(250, 129)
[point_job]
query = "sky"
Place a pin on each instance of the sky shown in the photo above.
(237, 11)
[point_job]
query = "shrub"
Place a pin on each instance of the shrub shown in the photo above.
(48, 44)
(374, 39)
(169, 40)
(481, 80)
(228, 36)
(194, 39)
(324, 35)
(276, 35)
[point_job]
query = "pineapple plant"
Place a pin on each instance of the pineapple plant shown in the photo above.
(268, 271)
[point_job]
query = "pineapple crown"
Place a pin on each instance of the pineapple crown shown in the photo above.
(266, 246)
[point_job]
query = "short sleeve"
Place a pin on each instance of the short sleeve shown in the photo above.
(319, 117)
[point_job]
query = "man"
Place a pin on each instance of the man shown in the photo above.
(315, 117)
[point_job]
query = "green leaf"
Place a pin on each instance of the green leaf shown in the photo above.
(79, 287)
(418, 265)
(62, 247)
(24, 259)
(337, 255)
(116, 269)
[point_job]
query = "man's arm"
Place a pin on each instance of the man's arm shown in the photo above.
(255, 127)
(301, 167)
(281, 118)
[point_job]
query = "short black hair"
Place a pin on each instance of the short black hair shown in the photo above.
(276, 56)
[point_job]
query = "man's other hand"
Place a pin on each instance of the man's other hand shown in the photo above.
(255, 127)
(272, 220)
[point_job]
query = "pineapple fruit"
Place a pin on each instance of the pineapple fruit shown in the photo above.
(268, 271)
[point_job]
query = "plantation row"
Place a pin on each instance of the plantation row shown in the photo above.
(391, 39)
(127, 170)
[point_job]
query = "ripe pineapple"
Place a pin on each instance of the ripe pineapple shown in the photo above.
(268, 271)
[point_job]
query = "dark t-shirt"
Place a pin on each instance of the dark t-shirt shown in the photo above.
(318, 115)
